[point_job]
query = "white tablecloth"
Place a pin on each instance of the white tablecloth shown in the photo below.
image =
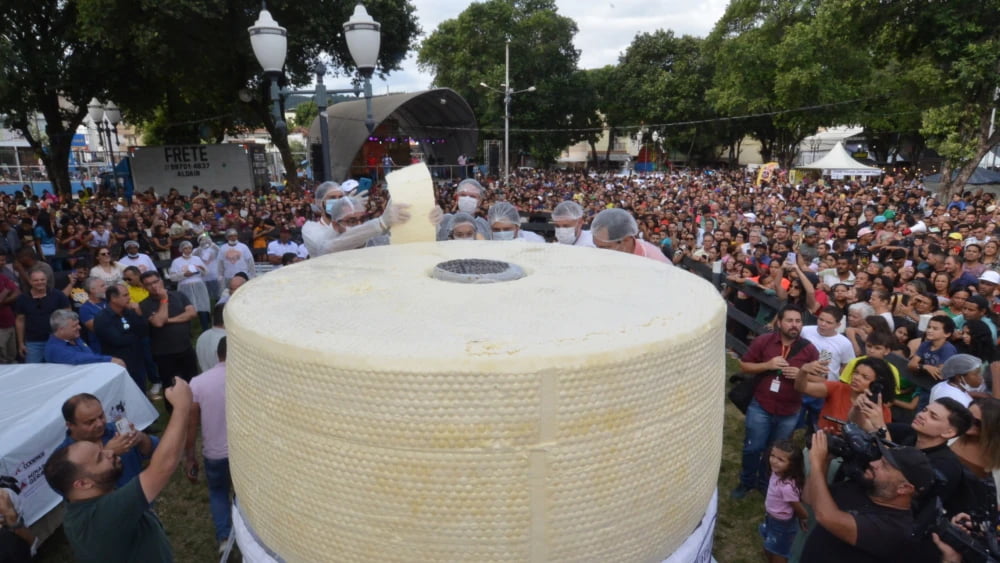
(32, 426)
(697, 548)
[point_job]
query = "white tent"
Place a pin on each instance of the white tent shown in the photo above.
(839, 164)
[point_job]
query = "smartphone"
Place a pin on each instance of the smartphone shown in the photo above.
(792, 258)
(123, 425)
(825, 356)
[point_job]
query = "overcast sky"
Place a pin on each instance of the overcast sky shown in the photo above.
(606, 28)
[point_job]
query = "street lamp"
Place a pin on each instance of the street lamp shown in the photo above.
(507, 93)
(106, 119)
(270, 45)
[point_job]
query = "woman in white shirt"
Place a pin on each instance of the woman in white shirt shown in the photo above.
(960, 373)
(107, 268)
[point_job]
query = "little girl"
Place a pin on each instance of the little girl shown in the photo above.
(784, 510)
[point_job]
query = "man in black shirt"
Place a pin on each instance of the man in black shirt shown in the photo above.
(868, 521)
(169, 314)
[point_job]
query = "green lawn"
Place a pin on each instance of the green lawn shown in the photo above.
(183, 507)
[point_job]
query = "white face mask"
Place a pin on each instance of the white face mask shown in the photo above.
(503, 235)
(132, 252)
(231, 242)
(566, 235)
(467, 204)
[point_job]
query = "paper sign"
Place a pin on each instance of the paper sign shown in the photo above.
(413, 185)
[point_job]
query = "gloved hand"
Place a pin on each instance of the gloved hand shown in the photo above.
(436, 215)
(396, 214)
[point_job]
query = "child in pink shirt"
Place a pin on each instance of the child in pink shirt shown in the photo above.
(782, 504)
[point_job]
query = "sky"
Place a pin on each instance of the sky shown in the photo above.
(606, 28)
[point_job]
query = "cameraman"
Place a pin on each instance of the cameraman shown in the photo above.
(867, 521)
(930, 432)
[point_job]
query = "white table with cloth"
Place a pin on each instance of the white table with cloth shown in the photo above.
(32, 426)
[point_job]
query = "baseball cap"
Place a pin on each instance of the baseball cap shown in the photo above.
(880, 219)
(889, 214)
(990, 276)
(912, 463)
(955, 236)
(865, 231)
(811, 232)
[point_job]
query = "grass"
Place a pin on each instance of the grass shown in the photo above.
(183, 508)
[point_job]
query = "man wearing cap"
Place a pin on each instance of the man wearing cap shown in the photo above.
(867, 521)
(135, 258)
(808, 249)
(930, 431)
(235, 257)
(278, 248)
(988, 282)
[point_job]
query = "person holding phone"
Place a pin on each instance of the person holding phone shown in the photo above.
(872, 379)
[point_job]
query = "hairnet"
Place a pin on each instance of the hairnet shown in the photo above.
(459, 218)
(960, 364)
(567, 210)
(614, 225)
(345, 206)
(470, 182)
(322, 191)
(231, 232)
(184, 244)
(503, 212)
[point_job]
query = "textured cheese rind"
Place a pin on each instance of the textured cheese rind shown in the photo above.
(413, 186)
(572, 415)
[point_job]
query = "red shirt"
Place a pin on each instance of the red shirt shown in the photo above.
(838, 404)
(786, 401)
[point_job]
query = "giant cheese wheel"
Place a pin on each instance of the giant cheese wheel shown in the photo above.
(378, 413)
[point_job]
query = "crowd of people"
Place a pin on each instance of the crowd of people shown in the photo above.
(887, 322)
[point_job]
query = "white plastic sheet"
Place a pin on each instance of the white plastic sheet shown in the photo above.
(32, 426)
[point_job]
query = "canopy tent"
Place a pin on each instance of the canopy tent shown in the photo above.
(981, 177)
(839, 164)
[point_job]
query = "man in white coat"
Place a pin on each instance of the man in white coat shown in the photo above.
(235, 257)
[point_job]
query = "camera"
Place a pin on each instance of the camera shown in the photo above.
(855, 446)
(976, 540)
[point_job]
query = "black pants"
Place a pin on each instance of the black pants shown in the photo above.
(181, 364)
(13, 549)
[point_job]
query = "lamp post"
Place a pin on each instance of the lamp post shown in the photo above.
(507, 92)
(106, 119)
(270, 41)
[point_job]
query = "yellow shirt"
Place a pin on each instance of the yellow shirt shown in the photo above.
(138, 294)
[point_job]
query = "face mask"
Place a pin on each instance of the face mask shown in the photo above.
(463, 238)
(503, 235)
(231, 242)
(205, 243)
(329, 206)
(566, 235)
(132, 253)
(467, 204)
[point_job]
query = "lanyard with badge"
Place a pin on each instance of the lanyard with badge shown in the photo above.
(776, 382)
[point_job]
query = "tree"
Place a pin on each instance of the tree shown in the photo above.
(305, 113)
(51, 69)
(469, 49)
(176, 66)
(745, 46)
(663, 79)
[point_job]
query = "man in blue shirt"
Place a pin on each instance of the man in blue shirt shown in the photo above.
(65, 345)
(86, 422)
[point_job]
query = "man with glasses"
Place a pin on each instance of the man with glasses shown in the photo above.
(169, 314)
(120, 331)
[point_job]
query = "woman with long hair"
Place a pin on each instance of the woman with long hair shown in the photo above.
(871, 376)
(979, 448)
(940, 282)
(107, 268)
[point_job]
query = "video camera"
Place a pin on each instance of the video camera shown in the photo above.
(855, 447)
(976, 540)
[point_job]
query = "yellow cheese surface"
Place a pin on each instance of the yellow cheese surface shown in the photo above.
(378, 414)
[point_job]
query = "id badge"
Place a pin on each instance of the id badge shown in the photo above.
(775, 385)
